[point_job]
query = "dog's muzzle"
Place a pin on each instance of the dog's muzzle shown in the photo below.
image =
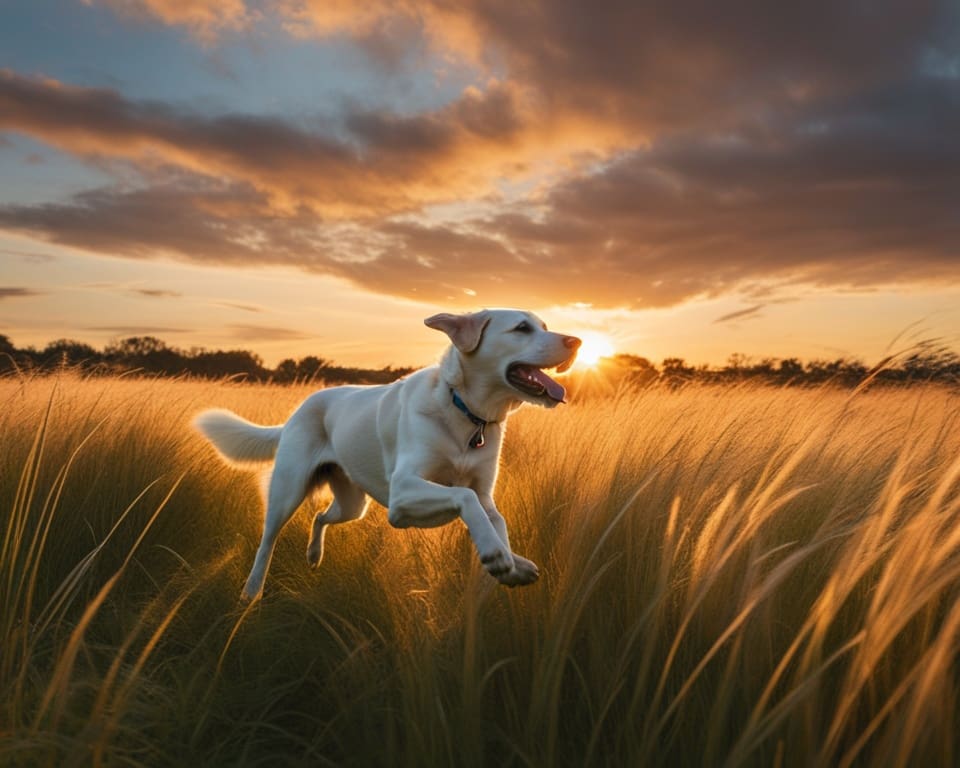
(531, 379)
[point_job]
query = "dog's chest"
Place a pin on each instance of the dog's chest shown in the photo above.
(465, 469)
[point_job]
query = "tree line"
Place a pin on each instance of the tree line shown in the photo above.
(148, 355)
(928, 361)
(925, 362)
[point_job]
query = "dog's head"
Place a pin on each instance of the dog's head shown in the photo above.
(513, 347)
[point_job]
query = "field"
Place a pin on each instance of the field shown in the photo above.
(730, 576)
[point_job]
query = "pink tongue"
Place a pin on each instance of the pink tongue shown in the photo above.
(554, 390)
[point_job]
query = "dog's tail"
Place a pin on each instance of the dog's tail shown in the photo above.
(238, 440)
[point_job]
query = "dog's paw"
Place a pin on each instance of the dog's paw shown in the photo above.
(523, 572)
(498, 562)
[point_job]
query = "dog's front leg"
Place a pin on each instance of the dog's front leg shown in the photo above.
(419, 503)
(524, 571)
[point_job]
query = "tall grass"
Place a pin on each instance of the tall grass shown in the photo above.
(730, 576)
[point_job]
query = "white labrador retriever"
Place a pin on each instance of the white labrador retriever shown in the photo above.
(426, 447)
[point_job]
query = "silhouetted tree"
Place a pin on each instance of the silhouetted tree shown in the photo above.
(286, 371)
(69, 352)
(6, 346)
(635, 369)
(309, 367)
(220, 363)
(675, 371)
(791, 368)
(8, 354)
(136, 346)
(930, 360)
(146, 352)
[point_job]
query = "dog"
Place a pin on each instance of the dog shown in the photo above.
(426, 447)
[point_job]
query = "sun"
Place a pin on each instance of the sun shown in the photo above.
(595, 346)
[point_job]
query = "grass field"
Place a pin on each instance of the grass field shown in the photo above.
(730, 576)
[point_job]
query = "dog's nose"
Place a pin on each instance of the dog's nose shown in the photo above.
(572, 342)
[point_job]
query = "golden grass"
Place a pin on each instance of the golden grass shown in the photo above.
(730, 576)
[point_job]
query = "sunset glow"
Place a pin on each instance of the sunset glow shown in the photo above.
(306, 178)
(595, 347)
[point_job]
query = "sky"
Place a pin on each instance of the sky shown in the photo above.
(293, 177)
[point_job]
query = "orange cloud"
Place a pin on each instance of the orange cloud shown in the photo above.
(450, 28)
(660, 152)
(623, 67)
(206, 19)
(646, 66)
(394, 163)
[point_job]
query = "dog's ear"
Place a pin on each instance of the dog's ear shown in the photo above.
(465, 331)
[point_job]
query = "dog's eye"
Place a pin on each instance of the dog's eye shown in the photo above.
(524, 327)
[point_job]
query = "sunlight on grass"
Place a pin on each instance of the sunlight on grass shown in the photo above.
(730, 576)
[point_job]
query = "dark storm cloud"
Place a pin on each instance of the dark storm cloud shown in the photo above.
(692, 150)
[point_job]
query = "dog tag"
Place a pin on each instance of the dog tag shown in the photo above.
(477, 440)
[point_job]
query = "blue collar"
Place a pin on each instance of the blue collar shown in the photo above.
(476, 439)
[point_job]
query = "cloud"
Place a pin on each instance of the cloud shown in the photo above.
(11, 292)
(658, 63)
(868, 202)
(30, 257)
(388, 163)
(206, 19)
(639, 154)
(640, 67)
(740, 314)
(158, 293)
(267, 333)
(135, 330)
(235, 305)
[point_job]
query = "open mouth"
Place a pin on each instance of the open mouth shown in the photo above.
(532, 381)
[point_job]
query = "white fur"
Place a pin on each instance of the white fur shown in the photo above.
(405, 444)
(238, 440)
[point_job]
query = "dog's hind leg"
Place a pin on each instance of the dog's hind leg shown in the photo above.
(349, 503)
(290, 482)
